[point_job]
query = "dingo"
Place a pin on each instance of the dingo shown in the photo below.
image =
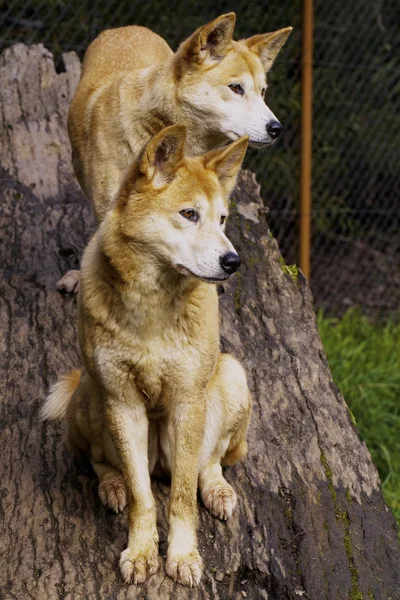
(133, 85)
(155, 391)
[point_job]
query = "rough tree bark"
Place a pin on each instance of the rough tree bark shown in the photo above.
(311, 521)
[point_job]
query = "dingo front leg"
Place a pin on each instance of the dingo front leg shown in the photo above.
(184, 564)
(128, 426)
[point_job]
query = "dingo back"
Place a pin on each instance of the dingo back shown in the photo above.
(118, 50)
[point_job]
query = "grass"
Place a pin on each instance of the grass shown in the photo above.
(365, 361)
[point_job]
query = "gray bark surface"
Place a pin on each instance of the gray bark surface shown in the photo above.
(311, 521)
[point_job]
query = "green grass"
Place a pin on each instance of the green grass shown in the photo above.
(365, 361)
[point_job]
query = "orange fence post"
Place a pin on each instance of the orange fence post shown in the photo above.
(306, 138)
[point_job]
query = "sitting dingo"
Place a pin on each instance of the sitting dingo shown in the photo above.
(155, 391)
(133, 85)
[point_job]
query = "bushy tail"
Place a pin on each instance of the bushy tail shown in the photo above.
(55, 406)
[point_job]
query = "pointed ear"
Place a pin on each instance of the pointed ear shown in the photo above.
(163, 154)
(210, 43)
(226, 162)
(267, 45)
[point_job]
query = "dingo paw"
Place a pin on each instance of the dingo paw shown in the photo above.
(136, 567)
(186, 570)
(69, 283)
(220, 500)
(112, 492)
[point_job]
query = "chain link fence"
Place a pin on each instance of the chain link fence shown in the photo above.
(356, 137)
(356, 175)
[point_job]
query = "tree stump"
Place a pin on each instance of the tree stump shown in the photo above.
(311, 521)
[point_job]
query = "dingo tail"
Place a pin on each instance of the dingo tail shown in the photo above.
(55, 406)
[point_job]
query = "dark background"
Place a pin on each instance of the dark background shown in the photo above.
(356, 136)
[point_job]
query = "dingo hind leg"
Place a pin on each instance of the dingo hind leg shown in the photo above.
(228, 418)
(87, 433)
(112, 488)
(69, 283)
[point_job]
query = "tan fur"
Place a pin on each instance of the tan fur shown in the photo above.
(155, 391)
(133, 85)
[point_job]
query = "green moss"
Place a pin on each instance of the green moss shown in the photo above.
(343, 518)
(238, 307)
(252, 261)
(286, 508)
(326, 584)
(288, 513)
(298, 569)
(370, 594)
(352, 417)
(237, 302)
(355, 593)
(290, 270)
(328, 473)
(326, 526)
(348, 496)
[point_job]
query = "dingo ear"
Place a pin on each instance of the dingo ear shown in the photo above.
(163, 154)
(211, 42)
(267, 45)
(226, 162)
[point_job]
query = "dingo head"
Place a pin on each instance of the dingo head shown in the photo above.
(222, 83)
(172, 209)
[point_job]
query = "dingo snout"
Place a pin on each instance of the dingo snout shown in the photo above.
(274, 129)
(230, 262)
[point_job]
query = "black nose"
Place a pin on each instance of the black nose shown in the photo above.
(230, 262)
(274, 128)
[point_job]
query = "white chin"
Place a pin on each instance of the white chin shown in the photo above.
(208, 279)
(260, 144)
(213, 279)
(232, 136)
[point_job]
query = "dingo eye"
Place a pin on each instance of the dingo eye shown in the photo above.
(190, 214)
(236, 88)
(222, 220)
